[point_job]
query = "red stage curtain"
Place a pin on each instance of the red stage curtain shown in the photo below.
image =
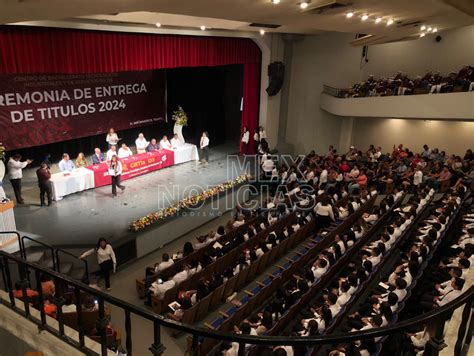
(49, 51)
(251, 101)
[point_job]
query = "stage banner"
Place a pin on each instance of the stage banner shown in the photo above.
(37, 109)
(133, 166)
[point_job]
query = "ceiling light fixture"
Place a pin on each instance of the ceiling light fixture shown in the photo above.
(365, 17)
(304, 5)
(435, 30)
(429, 29)
(262, 32)
(378, 20)
(389, 22)
(349, 15)
(422, 34)
(423, 28)
(275, 2)
(158, 24)
(203, 28)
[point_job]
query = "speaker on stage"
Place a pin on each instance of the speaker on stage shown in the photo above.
(276, 72)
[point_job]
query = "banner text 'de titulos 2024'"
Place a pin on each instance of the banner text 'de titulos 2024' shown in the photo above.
(37, 109)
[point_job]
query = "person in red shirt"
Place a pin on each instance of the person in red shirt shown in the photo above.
(18, 292)
(344, 167)
(44, 175)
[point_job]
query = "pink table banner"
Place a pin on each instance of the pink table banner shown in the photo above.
(133, 166)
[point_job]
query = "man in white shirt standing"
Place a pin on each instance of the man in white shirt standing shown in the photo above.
(141, 143)
(175, 142)
(15, 173)
(204, 146)
(165, 144)
(124, 151)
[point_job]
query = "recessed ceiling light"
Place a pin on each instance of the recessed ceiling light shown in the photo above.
(158, 24)
(423, 28)
(262, 32)
(422, 34)
(435, 30)
(203, 28)
(349, 15)
(429, 29)
(365, 17)
(389, 22)
(275, 2)
(303, 5)
(378, 19)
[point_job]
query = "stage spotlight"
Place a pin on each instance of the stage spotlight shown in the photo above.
(423, 28)
(304, 5)
(158, 24)
(262, 32)
(435, 30)
(203, 28)
(276, 2)
(422, 34)
(389, 22)
(365, 17)
(349, 15)
(378, 20)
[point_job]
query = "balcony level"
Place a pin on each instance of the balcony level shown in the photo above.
(446, 106)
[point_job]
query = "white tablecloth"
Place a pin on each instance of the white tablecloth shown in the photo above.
(78, 180)
(186, 153)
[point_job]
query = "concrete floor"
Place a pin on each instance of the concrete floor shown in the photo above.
(81, 218)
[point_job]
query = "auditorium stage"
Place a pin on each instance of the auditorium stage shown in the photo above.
(80, 219)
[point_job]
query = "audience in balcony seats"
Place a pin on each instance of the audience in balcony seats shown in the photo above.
(401, 84)
(18, 292)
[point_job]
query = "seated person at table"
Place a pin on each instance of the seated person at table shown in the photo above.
(141, 143)
(153, 146)
(124, 151)
(66, 165)
(175, 142)
(98, 156)
(81, 160)
(111, 152)
(165, 144)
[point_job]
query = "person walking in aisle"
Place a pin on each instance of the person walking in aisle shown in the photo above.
(15, 173)
(204, 146)
(105, 258)
(245, 140)
(44, 175)
(115, 171)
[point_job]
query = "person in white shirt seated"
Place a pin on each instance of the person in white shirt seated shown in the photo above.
(141, 143)
(165, 144)
(69, 306)
(319, 268)
(124, 151)
(181, 275)
(166, 262)
(111, 152)
(239, 221)
(159, 288)
(175, 142)
(66, 165)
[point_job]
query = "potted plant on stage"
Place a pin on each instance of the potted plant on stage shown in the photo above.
(180, 119)
(2, 171)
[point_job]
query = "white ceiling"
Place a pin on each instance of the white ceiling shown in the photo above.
(238, 14)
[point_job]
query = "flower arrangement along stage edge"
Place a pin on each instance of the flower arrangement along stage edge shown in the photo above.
(185, 203)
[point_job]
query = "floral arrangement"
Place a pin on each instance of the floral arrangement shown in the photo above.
(160, 215)
(180, 117)
(2, 151)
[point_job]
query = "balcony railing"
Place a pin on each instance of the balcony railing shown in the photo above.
(25, 269)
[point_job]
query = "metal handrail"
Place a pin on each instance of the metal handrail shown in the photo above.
(466, 297)
(86, 265)
(49, 247)
(18, 238)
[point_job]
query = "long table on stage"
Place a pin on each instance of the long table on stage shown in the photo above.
(97, 175)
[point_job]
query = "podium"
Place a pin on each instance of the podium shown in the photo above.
(7, 223)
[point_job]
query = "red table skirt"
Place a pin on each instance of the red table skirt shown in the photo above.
(133, 166)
